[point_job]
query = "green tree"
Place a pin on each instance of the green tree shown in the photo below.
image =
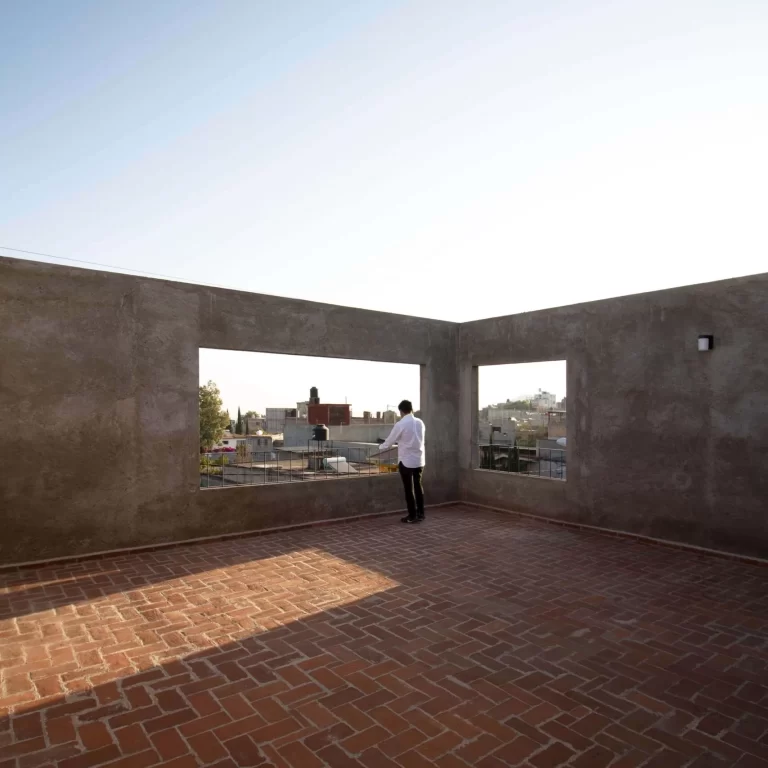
(239, 425)
(213, 419)
(251, 415)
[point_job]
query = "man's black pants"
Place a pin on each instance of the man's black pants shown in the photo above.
(414, 492)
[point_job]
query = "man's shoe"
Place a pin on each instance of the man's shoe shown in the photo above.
(410, 519)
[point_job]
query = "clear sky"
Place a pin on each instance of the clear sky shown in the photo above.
(498, 156)
(255, 381)
(497, 383)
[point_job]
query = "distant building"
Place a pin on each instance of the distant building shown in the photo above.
(543, 401)
(297, 433)
(498, 432)
(254, 443)
(276, 418)
(498, 413)
(253, 424)
(555, 424)
(368, 417)
(386, 417)
(331, 415)
(502, 415)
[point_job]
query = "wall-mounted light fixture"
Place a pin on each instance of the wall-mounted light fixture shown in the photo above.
(706, 343)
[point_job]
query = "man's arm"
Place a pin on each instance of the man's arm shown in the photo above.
(392, 439)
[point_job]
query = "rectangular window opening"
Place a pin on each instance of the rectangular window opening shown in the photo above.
(259, 415)
(522, 418)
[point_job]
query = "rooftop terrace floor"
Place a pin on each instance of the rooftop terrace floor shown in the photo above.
(476, 639)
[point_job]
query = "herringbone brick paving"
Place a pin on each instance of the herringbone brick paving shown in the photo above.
(477, 639)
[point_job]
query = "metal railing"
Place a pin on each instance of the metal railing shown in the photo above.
(226, 470)
(523, 460)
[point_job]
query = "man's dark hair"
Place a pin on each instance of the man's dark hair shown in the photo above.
(406, 406)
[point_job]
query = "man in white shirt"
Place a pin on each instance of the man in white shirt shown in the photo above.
(408, 433)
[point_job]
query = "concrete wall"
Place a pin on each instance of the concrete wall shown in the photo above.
(662, 440)
(116, 357)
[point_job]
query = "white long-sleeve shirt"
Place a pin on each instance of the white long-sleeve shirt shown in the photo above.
(408, 433)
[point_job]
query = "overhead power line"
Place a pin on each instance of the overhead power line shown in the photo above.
(129, 270)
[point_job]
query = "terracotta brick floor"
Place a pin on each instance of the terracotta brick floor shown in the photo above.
(476, 639)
